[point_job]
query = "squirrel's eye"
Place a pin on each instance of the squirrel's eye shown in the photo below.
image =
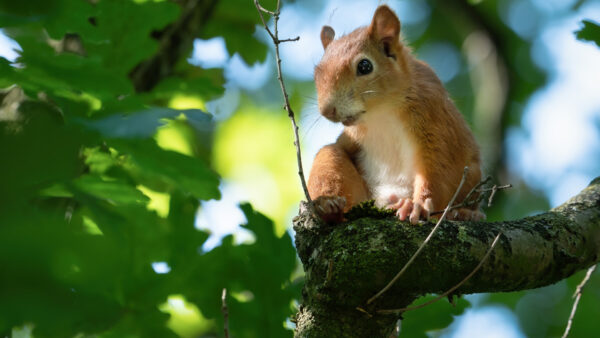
(364, 67)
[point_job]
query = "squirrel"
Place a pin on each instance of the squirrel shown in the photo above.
(404, 142)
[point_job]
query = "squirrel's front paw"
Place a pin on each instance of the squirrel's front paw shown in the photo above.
(330, 208)
(414, 210)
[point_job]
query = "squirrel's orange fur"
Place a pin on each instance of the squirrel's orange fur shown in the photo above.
(404, 143)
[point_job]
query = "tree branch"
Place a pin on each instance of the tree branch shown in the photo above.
(427, 239)
(449, 292)
(348, 263)
(176, 40)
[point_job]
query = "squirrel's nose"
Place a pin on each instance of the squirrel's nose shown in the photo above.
(329, 112)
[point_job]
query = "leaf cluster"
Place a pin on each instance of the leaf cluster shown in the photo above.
(91, 197)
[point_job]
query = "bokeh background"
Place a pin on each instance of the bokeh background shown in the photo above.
(526, 85)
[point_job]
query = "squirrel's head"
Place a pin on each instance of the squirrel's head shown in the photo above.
(361, 70)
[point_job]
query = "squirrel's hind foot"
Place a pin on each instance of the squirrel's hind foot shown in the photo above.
(330, 208)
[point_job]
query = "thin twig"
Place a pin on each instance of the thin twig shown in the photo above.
(264, 9)
(469, 201)
(276, 41)
(492, 194)
(260, 14)
(364, 311)
(577, 296)
(225, 312)
(290, 39)
(445, 294)
(414, 256)
(477, 186)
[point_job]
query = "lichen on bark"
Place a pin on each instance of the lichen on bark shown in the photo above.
(347, 263)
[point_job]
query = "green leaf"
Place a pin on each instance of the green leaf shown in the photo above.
(257, 280)
(115, 35)
(205, 87)
(437, 316)
(509, 299)
(14, 13)
(236, 20)
(144, 124)
(589, 32)
(47, 71)
(38, 150)
(112, 191)
(128, 25)
(99, 161)
(185, 239)
(6, 73)
(154, 165)
(57, 280)
(267, 242)
(74, 17)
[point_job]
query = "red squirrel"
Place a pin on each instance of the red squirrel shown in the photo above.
(404, 143)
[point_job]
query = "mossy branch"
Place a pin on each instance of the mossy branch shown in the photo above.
(346, 264)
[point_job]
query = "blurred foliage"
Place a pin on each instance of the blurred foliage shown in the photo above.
(246, 144)
(544, 312)
(589, 32)
(439, 315)
(99, 182)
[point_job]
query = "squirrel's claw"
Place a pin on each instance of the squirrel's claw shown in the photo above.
(414, 211)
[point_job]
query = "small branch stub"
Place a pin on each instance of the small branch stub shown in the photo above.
(577, 296)
(225, 312)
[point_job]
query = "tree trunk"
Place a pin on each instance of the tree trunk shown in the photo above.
(348, 263)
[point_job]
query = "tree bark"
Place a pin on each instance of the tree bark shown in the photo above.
(348, 263)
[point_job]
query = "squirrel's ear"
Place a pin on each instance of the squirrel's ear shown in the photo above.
(385, 26)
(327, 35)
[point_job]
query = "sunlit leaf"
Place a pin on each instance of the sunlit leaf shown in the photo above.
(113, 191)
(152, 163)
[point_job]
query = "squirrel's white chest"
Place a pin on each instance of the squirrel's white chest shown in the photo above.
(387, 157)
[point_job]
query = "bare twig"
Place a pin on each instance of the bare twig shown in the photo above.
(445, 294)
(577, 296)
(276, 41)
(469, 200)
(290, 39)
(264, 9)
(414, 256)
(477, 186)
(225, 312)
